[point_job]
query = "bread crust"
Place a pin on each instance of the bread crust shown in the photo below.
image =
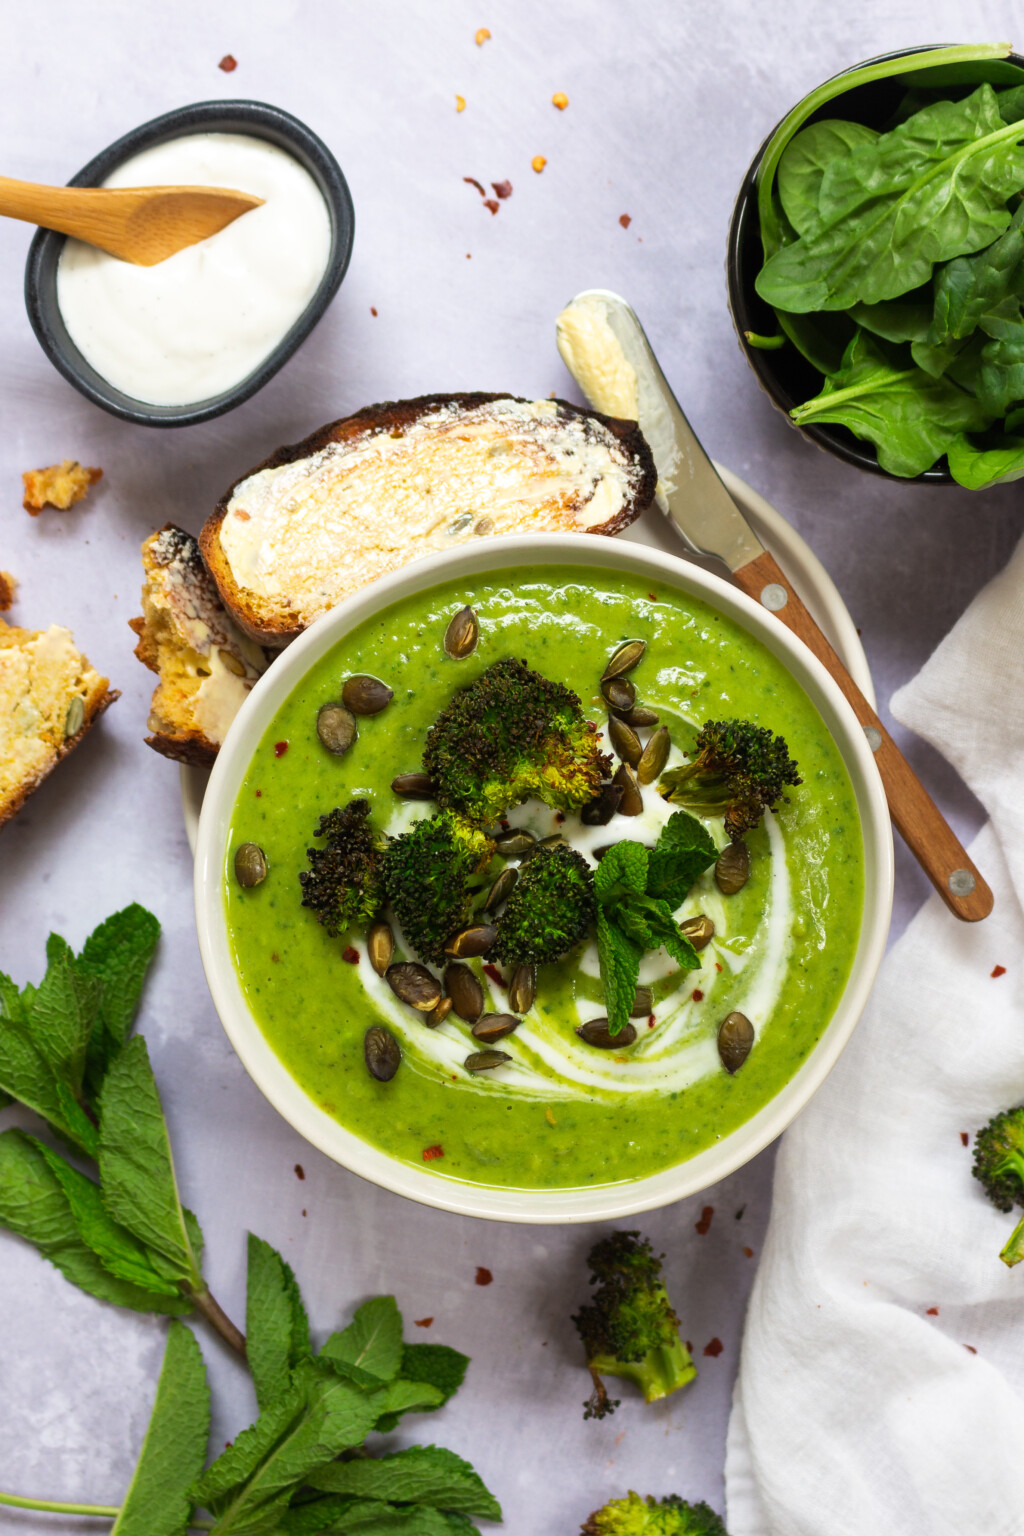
(93, 709)
(278, 628)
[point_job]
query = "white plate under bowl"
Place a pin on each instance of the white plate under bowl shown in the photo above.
(608, 1202)
(801, 565)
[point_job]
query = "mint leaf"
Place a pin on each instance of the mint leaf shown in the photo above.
(424, 1474)
(630, 918)
(61, 1013)
(401, 1397)
(371, 1517)
(276, 1326)
(620, 970)
(26, 1076)
(34, 1206)
(665, 930)
(372, 1340)
(683, 852)
(173, 1452)
(117, 955)
(136, 1167)
(436, 1364)
(622, 871)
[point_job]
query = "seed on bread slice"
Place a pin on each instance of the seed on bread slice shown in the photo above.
(368, 494)
(205, 665)
(50, 695)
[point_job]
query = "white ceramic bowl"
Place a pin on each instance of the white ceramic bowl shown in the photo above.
(607, 1202)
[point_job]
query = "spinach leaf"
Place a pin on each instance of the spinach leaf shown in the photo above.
(157, 1502)
(967, 288)
(911, 418)
(978, 468)
(1001, 376)
(896, 320)
(803, 165)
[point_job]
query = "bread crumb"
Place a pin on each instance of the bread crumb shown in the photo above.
(560, 100)
(460, 103)
(625, 220)
(538, 163)
(228, 63)
(8, 587)
(59, 486)
(482, 36)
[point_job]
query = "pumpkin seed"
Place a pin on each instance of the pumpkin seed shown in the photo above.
(522, 989)
(382, 1052)
(462, 634)
(232, 662)
(465, 991)
(632, 802)
(336, 727)
(472, 941)
(414, 786)
(438, 1015)
(624, 740)
(595, 1032)
(494, 1026)
(620, 694)
(380, 946)
(654, 756)
(735, 1039)
(413, 984)
(700, 930)
(732, 869)
(643, 1004)
(624, 659)
(640, 717)
(483, 1061)
(502, 889)
(514, 843)
(75, 717)
(485, 525)
(250, 865)
(599, 811)
(365, 695)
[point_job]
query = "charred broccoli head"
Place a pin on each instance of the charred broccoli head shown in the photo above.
(630, 1328)
(999, 1167)
(634, 1516)
(428, 875)
(739, 771)
(550, 910)
(344, 883)
(512, 736)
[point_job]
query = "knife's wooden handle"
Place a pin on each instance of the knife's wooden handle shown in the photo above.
(918, 819)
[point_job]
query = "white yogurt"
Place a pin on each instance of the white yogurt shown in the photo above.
(201, 321)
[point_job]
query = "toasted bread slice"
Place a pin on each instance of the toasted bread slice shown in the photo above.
(50, 695)
(206, 666)
(363, 496)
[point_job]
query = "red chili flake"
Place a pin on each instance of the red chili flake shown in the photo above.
(998, 970)
(651, 1021)
(493, 974)
(932, 1312)
(653, 596)
(971, 1348)
(697, 996)
(351, 954)
(491, 203)
(704, 1224)
(228, 63)
(423, 1322)
(429, 1153)
(964, 1138)
(714, 1349)
(502, 189)
(504, 824)
(259, 794)
(559, 816)
(625, 220)
(280, 748)
(749, 1252)
(276, 958)
(483, 1276)
(373, 311)
(474, 183)
(300, 1172)
(718, 966)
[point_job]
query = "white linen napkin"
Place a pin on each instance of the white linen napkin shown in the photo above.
(881, 1385)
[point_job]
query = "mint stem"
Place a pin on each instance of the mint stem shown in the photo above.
(208, 1305)
(51, 1506)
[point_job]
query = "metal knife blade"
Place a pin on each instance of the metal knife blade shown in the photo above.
(628, 381)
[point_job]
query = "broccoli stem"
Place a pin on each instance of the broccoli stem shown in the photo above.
(1014, 1250)
(662, 1370)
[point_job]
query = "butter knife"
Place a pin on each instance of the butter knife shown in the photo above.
(605, 349)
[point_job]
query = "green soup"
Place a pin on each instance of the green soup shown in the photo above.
(561, 1114)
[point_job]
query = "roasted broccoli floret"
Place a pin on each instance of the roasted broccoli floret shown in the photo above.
(630, 1329)
(512, 736)
(550, 910)
(428, 874)
(344, 882)
(634, 1516)
(739, 771)
(999, 1166)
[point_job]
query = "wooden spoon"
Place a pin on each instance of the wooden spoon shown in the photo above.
(143, 225)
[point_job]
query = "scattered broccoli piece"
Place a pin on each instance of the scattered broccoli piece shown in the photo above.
(427, 876)
(512, 736)
(634, 1516)
(344, 883)
(550, 910)
(630, 1329)
(739, 772)
(999, 1167)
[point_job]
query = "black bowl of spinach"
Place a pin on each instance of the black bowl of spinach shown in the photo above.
(876, 265)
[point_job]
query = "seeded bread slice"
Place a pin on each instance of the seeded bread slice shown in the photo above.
(50, 696)
(204, 663)
(363, 496)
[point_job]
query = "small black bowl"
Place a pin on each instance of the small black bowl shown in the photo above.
(257, 120)
(785, 375)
